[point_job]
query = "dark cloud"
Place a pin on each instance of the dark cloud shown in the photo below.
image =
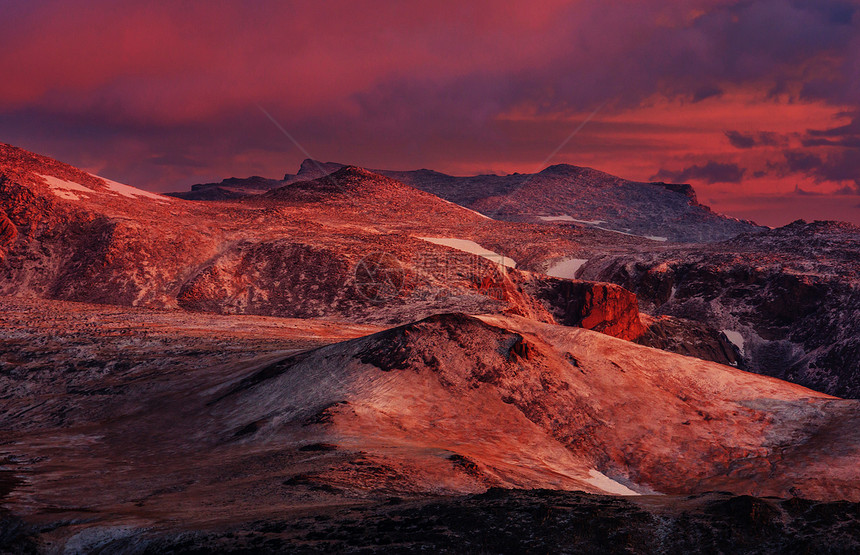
(802, 162)
(845, 136)
(835, 167)
(749, 140)
(832, 155)
(712, 172)
(740, 140)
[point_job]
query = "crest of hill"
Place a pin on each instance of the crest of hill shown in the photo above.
(18, 164)
(363, 188)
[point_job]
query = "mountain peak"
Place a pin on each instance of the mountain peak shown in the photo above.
(312, 169)
(345, 180)
(356, 172)
(561, 169)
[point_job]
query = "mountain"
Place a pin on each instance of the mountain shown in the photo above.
(354, 245)
(575, 398)
(789, 298)
(566, 193)
(230, 188)
(563, 194)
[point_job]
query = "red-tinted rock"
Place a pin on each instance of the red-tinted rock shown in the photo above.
(602, 307)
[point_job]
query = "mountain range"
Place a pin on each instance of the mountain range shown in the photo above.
(559, 193)
(258, 364)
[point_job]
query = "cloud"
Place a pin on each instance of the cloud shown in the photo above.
(846, 136)
(740, 140)
(712, 172)
(831, 155)
(836, 167)
(749, 140)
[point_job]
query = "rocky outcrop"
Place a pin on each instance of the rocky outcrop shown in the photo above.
(602, 307)
(682, 188)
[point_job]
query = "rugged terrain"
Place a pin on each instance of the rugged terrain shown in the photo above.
(238, 436)
(788, 297)
(344, 361)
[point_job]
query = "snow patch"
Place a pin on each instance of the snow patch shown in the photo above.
(566, 268)
(66, 189)
(596, 224)
(607, 484)
(566, 218)
(63, 188)
(736, 339)
(651, 237)
(129, 191)
(471, 247)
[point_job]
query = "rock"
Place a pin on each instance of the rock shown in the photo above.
(602, 307)
(688, 337)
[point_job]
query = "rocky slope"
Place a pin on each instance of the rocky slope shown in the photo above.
(560, 194)
(503, 521)
(789, 298)
(272, 420)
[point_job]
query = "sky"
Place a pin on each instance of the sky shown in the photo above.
(755, 103)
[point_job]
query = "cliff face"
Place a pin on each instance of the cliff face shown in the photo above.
(602, 307)
(690, 338)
